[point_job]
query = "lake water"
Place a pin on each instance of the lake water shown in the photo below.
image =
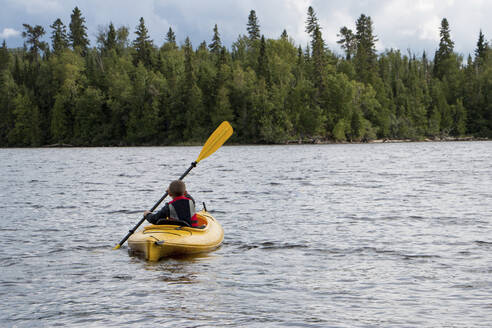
(376, 235)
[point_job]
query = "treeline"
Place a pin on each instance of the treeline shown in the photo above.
(134, 92)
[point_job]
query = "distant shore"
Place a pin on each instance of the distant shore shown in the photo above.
(307, 141)
(386, 140)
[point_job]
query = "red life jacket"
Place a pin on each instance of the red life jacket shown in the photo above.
(183, 208)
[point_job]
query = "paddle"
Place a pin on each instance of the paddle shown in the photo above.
(216, 139)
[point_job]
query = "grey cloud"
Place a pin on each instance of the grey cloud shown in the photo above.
(399, 24)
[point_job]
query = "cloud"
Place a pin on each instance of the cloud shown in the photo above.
(9, 32)
(398, 24)
(38, 6)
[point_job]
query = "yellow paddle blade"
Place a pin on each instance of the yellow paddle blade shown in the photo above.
(116, 247)
(217, 139)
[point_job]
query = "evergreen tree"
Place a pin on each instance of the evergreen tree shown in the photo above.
(312, 22)
(347, 42)
(203, 47)
(122, 42)
(318, 57)
(253, 26)
(171, 38)
(216, 45)
(188, 65)
(443, 54)
(192, 112)
(59, 38)
(263, 65)
(365, 57)
(78, 35)
(111, 38)
(4, 57)
(481, 50)
(143, 46)
(33, 36)
(284, 35)
(318, 48)
(8, 94)
(271, 91)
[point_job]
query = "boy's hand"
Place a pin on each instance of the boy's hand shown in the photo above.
(146, 213)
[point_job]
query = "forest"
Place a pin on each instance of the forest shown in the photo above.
(123, 91)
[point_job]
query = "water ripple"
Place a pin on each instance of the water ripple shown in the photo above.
(393, 235)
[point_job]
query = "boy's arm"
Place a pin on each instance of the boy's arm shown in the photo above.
(162, 214)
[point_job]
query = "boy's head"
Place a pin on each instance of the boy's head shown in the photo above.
(176, 188)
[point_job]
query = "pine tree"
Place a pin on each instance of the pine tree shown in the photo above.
(143, 45)
(318, 48)
(110, 42)
(78, 34)
(443, 54)
(312, 22)
(8, 93)
(253, 26)
(365, 57)
(33, 36)
(4, 57)
(59, 38)
(188, 64)
(318, 57)
(263, 65)
(122, 39)
(192, 112)
(347, 42)
(216, 44)
(171, 37)
(203, 47)
(481, 50)
(284, 35)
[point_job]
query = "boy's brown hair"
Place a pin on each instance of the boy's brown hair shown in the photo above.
(177, 188)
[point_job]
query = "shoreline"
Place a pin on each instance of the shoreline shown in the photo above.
(386, 140)
(313, 141)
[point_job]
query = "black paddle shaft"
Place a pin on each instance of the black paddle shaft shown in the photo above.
(154, 207)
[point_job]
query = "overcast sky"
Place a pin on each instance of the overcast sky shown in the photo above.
(402, 24)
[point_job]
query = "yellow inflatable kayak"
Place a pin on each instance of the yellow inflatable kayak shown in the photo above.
(157, 241)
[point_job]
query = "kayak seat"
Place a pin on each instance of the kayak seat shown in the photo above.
(202, 222)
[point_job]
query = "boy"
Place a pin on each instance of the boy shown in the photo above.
(181, 208)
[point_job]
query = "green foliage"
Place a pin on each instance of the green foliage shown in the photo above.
(78, 35)
(8, 94)
(33, 35)
(27, 130)
(339, 130)
(443, 54)
(216, 45)
(271, 90)
(89, 119)
(59, 38)
(365, 57)
(62, 120)
(253, 26)
(459, 113)
(311, 22)
(347, 42)
(482, 50)
(143, 45)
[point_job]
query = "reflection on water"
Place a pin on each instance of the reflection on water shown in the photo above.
(393, 235)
